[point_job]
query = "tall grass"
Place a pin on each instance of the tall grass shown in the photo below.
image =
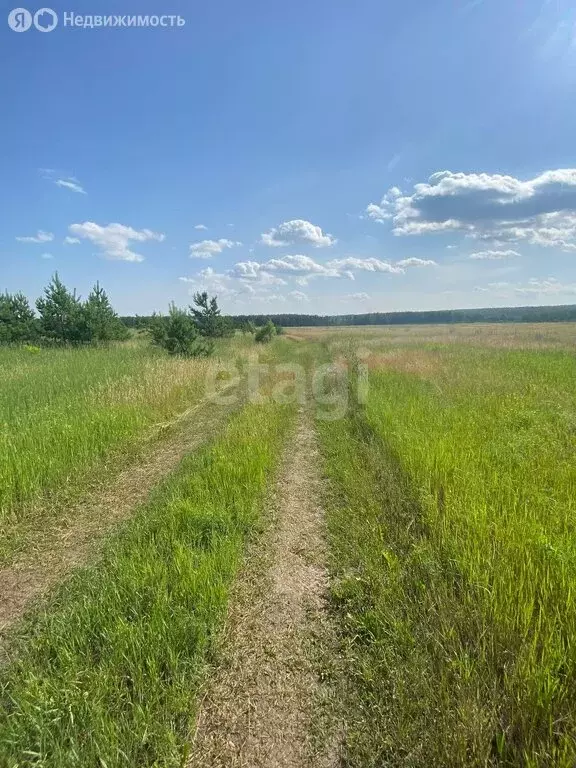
(454, 528)
(63, 409)
(107, 676)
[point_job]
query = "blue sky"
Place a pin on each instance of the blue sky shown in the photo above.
(340, 156)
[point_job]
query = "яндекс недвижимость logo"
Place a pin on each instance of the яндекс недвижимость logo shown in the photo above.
(45, 20)
(20, 20)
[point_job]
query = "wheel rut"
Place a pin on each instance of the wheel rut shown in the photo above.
(262, 702)
(75, 536)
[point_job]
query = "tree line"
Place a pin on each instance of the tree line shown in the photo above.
(61, 317)
(554, 314)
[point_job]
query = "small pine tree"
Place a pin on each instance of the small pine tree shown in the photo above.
(248, 327)
(208, 318)
(178, 334)
(103, 323)
(265, 333)
(62, 315)
(18, 324)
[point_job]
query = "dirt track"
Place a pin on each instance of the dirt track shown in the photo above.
(262, 701)
(76, 537)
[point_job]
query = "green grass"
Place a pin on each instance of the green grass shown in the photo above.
(451, 515)
(63, 410)
(452, 527)
(108, 674)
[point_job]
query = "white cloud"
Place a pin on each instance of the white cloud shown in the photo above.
(302, 266)
(535, 286)
(540, 211)
(247, 270)
(272, 298)
(550, 286)
(46, 256)
(200, 226)
(62, 179)
(114, 239)
(299, 296)
(206, 249)
(387, 205)
(71, 240)
(493, 255)
(352, 263)
(498, 290)
(253, 271)
(414, 262)
(234, 283)
(40, 237)
(357, 297)
(71, 184)
(297, 232)
(255, 278)
(211, 281)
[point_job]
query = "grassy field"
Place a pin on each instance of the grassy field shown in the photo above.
(455, 563)
(449, 498)
(107, 676)
(500, 336)
(64, 411)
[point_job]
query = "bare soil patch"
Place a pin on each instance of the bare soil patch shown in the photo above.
(263, 705)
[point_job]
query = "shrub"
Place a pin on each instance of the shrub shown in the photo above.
(178, 334)
(265, 333)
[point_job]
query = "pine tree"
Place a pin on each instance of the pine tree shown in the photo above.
(208, 318)
(102, 322)
(17, 321)
(62, 315)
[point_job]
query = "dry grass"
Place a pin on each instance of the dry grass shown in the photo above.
(500, 335)
(418, 362)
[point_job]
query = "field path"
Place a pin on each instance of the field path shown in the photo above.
(75, 537)
(263, 701)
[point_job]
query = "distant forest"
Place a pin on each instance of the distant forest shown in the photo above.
(558, 314)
